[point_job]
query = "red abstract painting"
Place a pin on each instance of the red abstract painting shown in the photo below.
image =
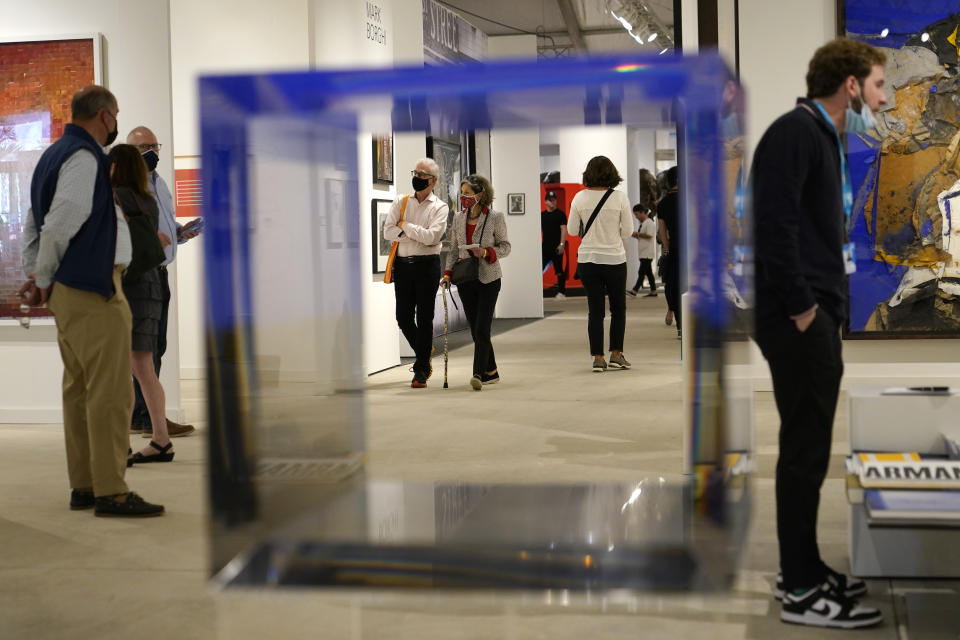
(37, 82)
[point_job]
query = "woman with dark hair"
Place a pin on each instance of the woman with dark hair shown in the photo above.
(481, 233)
(601, 217)
(145, 296)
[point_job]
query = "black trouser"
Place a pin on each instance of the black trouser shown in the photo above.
(550, 255)
(671, 287)
(415, 283)
(141, 417)
(479, 301)
(646, 270)
(806, 369)
(600, 280)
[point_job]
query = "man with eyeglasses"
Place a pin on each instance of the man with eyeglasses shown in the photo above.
(77, 248)
(145, 140)
(418, 223)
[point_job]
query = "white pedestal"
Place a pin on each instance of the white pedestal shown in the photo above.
(900, 423)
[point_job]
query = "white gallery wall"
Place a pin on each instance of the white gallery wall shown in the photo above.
(292, 35)
(515, 168)
(204, 39)
(31, 371)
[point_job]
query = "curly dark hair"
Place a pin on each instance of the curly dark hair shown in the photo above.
(480, 186)
(600, 172)
(836, 61)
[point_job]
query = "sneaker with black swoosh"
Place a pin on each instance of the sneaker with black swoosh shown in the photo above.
(820, 607)
(846, 586)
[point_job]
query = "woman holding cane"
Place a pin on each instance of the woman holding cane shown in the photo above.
(478, 234)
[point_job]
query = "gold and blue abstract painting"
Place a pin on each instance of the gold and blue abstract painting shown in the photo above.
(906, 174)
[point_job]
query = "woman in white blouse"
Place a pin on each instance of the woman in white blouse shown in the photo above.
(602, 257)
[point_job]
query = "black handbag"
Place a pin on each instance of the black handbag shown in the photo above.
(467, 269)
(584, 230)
(147, 251)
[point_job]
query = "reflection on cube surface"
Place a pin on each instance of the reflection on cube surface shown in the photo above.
(291, 504)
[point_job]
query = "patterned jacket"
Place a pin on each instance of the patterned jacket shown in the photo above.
(494, 237)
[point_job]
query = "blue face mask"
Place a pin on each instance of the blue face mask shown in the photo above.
(860, 122)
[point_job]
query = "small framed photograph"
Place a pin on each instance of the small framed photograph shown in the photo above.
(379, 209)
(383, 159)
(515, 204)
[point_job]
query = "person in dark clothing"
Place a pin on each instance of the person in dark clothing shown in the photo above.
(553, 229)
(802, 206)
(668, 233)
(144, 295)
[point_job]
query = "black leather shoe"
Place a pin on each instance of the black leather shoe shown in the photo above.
(81, 500)
(133, 507)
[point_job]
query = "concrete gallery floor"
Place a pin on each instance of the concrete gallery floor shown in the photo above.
(66, 574)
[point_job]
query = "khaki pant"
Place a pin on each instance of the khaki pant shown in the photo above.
(94, 338)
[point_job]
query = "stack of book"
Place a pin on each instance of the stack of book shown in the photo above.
(906, 488)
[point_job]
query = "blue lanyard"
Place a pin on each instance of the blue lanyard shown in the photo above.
(844, 174)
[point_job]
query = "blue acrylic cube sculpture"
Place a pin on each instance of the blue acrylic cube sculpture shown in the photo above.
(289, 498)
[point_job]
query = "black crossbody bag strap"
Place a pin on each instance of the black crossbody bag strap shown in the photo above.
(593, 216)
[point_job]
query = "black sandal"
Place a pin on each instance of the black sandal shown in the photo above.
(163, 456)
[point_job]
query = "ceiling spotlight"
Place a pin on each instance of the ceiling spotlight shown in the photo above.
(925, 37)
(663, 51)
(652, 38)
(623, 21)
(885, 33)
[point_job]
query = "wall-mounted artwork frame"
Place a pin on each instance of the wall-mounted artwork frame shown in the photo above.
(383, 160)
(38, 77)
(516, 204)
(379, 210)
(905, 224)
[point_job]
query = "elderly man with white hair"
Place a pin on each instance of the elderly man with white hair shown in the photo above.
(417, 223)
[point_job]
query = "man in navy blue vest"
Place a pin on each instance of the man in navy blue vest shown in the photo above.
(77, 247)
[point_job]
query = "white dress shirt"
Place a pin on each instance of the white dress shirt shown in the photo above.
(423, 228)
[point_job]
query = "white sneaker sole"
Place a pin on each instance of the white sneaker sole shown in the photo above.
(616, 365)
(816, 620)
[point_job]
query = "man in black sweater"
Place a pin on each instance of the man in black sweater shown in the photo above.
(802, 206)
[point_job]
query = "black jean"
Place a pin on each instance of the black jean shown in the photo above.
(608, 280)
(806, 369)
(415, 288)
(141, 417)
(646, 270)
(671, 287)
(549, 254)
(479, 302)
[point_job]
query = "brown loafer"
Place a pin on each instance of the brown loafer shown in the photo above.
(175, 430)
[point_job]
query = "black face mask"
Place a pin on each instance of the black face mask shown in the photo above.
(152, 159)
(111, 137)
(419, 184)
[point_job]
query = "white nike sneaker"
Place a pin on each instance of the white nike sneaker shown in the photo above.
(819, 607)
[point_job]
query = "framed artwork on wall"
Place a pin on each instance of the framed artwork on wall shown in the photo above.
(38, 78)
(379, 209)
(448, 155)
(905, 225)
(515, 204)
(383, 159)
